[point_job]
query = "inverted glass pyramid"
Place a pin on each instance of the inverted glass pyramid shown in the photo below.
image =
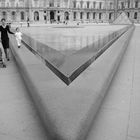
(72, 52)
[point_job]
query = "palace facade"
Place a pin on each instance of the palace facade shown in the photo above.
(68, 10)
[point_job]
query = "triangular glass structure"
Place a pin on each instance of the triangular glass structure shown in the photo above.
(122, 19)
(68, 65)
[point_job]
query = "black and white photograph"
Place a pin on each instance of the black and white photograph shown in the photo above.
(69, 69)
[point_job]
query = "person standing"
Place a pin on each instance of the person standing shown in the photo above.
(4, 29)
(18, 36)
(28, 22)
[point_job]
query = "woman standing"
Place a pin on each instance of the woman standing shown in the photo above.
(4, 29)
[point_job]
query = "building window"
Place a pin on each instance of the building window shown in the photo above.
(100, 5)
(88, 15)
(3, 4)
(94, 4)
(94, 15)
(45, 17)
(58, 4)
(81, 15)
(88, 4)
(110, 16)
(136, 4)
(135, 15)
(51, 4)
(128, 14)
(74, 4)
(100, 15)
(36, 16)
(128, 4)
(122, 5)
(4, 14)
(22, 16)
(13, 15)
(111, 5)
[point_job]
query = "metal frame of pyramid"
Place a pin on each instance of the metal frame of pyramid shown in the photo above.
(122, 19)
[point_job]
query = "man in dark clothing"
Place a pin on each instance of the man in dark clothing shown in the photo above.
(4, 29)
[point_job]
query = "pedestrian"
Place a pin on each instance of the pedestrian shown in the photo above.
(18, 36)
(28, 22)
(4, 29)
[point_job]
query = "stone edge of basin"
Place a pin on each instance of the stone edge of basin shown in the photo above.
(102, 88)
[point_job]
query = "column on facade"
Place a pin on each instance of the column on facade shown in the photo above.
(78, 16)
(0, 14)
(29, 13)
(84, 16)
(48, 16)
(97, 17)
(18, 17)
(62, 16)
(26, 15)
(107, 16)
(41, 16)
(132, 3)
(57, 16)
(103, 16)
(90, 16)
(138, 19)
(31, 16)
(71, 16)
(106, 10)
(8, 15)
(132, 15)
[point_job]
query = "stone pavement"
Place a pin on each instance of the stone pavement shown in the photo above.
(119, 116)
(117, 119)
(18, 117)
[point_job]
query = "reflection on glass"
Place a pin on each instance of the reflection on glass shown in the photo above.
(69, 40)
(68, 49)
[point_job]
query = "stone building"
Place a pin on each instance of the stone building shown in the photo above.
(68, 10)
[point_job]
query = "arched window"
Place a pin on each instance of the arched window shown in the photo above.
(36, 16)
(22, 16)
(13, 15)
(66, 15)
(52, 16)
